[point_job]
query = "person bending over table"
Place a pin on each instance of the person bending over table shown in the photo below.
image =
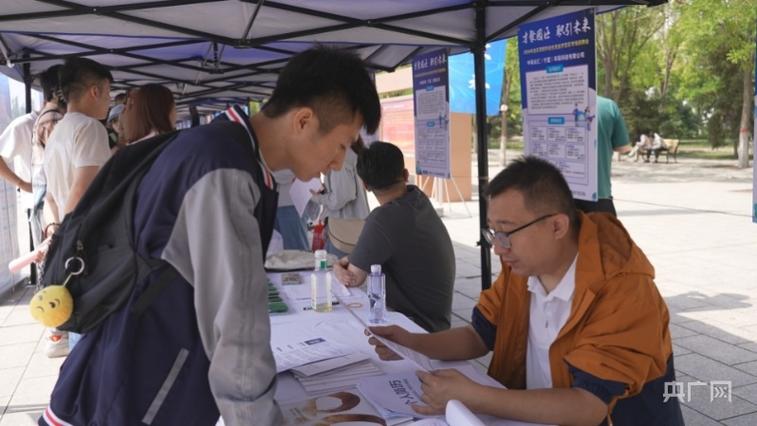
(206, 207)
(578, 329)
(407, 238)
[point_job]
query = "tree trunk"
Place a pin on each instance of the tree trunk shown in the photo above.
(746, 115)
(503, 133)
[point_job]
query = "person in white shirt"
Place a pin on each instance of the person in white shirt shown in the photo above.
(78, 146)
(16, 144)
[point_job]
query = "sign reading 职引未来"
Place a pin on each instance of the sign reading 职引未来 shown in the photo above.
(558, 86)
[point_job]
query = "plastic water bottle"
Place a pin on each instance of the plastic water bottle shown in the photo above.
(376, 295)
(320, 284)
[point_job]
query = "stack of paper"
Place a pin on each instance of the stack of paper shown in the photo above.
(296, 354)
(339, 378)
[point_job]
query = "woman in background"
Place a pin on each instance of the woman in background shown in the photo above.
(150, 111)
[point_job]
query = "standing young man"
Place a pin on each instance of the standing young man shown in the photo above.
(206, 207)
(78, 145)
(577, 327)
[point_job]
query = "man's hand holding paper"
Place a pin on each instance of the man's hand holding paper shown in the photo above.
(441, 386)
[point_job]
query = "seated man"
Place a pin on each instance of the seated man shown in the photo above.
(407, 238)
(657, 146)
(578, 329)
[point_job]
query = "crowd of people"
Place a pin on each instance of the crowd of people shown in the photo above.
(578, 330)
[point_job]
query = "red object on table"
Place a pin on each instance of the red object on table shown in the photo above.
(318, 242)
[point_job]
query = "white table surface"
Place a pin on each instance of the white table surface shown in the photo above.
(341, 326)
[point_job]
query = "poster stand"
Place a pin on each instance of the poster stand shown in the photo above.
(440, 191)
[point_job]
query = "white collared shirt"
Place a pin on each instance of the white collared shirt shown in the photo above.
(548, 315)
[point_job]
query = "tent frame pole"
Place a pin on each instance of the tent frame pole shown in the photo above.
(479, 49)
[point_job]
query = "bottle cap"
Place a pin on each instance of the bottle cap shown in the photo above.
(375, 269)
(321, 260)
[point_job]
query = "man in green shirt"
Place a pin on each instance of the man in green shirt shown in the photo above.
(612, 135)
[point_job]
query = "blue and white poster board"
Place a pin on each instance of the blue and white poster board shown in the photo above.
(558, 86)
(431, 108)
(462, 79)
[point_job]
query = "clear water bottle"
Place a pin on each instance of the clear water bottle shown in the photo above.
(376, 295)
(320, 284)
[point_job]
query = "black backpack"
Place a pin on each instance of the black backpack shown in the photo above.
(96, 238)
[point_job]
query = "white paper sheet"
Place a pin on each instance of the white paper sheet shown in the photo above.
(295, 354)
(319, 367)
(458, 414)
(421, 362)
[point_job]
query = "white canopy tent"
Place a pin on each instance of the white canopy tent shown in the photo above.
(214, 52)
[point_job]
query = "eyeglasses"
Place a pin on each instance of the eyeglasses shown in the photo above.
(502, 238)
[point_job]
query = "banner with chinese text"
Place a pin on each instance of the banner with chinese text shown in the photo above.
(431, 108)
(558, 86)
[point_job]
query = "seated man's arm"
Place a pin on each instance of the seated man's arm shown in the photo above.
(374, 247)
(348, 274)
(550, 406)
(455, 344)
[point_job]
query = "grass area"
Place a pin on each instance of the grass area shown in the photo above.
(701, 149)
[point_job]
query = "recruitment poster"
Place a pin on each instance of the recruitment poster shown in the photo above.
(431, 108)
(558, 86)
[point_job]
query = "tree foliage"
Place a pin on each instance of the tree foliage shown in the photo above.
(683, 69)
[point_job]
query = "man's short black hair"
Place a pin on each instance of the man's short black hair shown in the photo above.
(542, 184)
(334, 83)
(77, 74)
(381, 165)
(48, 79)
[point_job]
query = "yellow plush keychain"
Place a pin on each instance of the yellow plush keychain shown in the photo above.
(53, 305)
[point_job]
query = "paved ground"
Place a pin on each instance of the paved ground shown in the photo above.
(691, 218)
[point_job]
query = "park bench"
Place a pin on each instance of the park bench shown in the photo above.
(670, 147)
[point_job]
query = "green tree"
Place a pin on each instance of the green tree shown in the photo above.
(720, 39)
(510, 96)
(622, 38)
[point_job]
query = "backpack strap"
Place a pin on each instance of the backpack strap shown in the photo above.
(165, 276)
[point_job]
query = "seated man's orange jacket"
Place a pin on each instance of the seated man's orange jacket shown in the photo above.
(618, 326)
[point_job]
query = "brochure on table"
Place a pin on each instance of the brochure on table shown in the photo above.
(558, 86)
